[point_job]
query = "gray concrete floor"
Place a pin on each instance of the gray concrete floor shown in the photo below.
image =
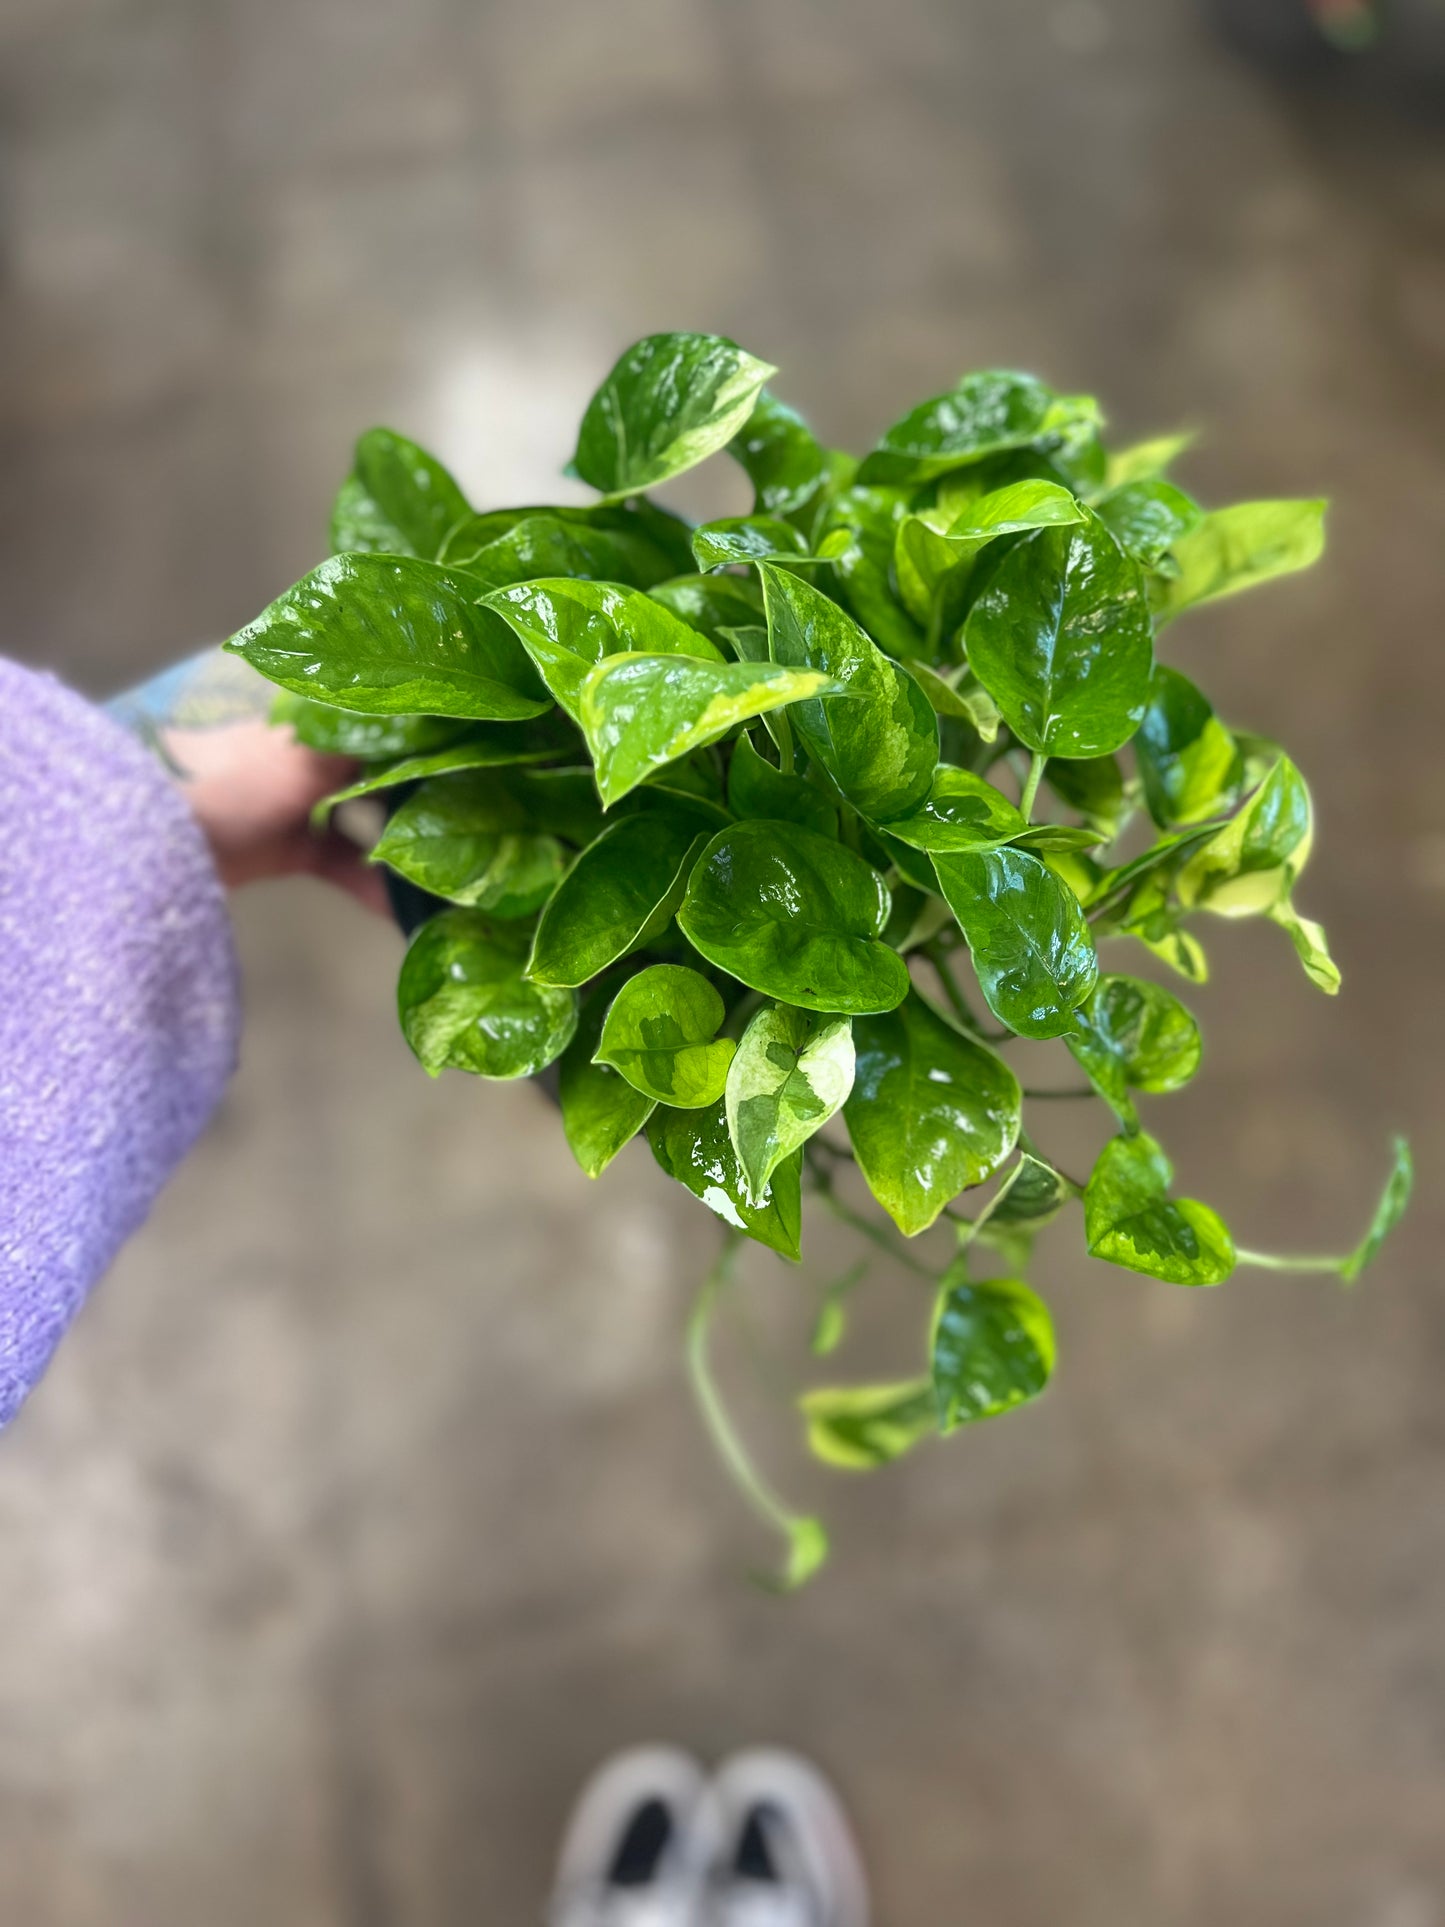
(366, 1508)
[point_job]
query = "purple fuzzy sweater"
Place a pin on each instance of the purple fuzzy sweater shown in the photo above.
(118, 1004)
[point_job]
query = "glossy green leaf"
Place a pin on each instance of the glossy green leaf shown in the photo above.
(782, 458)
(1026, 933)
(740, 539)
(993, 1347)
(860, 1427)
(486, 746)
(465, 1005)
(344, 732)
(621, 892)
(660, 1033)
(640, 713)
(929, 558)
(601, 1112)
(984, 415)
(712, 604)
(961, 812)
(931, 1112)
(1388, 1212)
(795, 916)
(637, 543)
(669, 402)
(1235, 548)
(464, 837)
(1031, 1195)
(1062, 640)
(791, 1073)
(1247, 868)
(389, 635)
(1311, 946)
(757, 788)
(1189, 762)
(1147, 461)
(694, 1147)
(1132, 1035)
(877, 736)
(567, 627)
(1130, 1220)
(1147, 518)
(547, 546)
(398, 500)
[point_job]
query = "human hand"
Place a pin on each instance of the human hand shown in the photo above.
(252, 788)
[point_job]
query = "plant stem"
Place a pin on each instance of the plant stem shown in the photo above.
(1266, 1261)
(1031, 785)
(1076, 1090)
(744, 1474)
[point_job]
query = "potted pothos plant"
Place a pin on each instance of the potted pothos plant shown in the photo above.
(773, 835)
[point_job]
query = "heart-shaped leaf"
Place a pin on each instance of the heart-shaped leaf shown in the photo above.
(1146, 519)
(668, 403)
(465, 1005)
(858, 1427)
(984, 415)
(783, 460)
(1031, 1195)
(640, 713)
(1130, 1220)
(547, 547)
(791, 1073)
(934, 556)
(795, 916)
(1026, 932)
(621, 892)
(694, 1147)
(1062, 639)
(1249, 866)
(397, 500)
(601, 1112)
(1190, 764)
(931, 1112)
(876, 734)
(660, 1032)
(463, 838)
(993, 1347)
(567, 627)
(1134, 1035)
(389, 635)
(740, 539)
(1235, 548)
(961, 812)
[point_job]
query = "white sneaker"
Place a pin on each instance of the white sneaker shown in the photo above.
(789, 1858)
(638, 1849)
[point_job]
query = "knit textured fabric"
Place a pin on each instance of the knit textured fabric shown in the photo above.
(119, 1004)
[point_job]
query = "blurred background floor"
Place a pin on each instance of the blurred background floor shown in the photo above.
(366, 1509)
